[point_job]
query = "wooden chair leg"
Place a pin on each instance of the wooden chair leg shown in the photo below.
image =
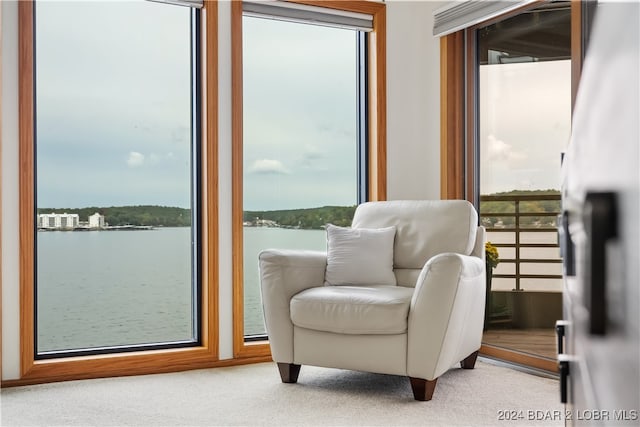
(422, 389)
(289, 372)
(470, 361)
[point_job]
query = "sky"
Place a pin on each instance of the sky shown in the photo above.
(112, 104)
(525, 123)
(299, 136)
(113, 111)
(113, 108)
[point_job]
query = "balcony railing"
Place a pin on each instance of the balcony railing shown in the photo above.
(518, 218)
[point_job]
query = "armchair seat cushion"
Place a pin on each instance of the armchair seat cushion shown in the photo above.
(353, 309)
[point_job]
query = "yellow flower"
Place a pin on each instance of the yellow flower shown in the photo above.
(493, 258)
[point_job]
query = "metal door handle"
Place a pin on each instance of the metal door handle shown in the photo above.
(563, 367)
(561, 330)
(600, 220)
(567, 250)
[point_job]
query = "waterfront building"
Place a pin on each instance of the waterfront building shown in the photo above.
(57, 221)
(96, 220)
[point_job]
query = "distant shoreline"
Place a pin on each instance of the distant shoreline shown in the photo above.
(107, 228)
(124, 216)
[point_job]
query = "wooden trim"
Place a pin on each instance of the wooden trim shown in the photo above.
(377, 142)
(237, 236)
(452, 125)
(378, 107)
(519, 358)
(26, 160)
(210, 189)
(213, 364)
(144, 362)
(471, 139)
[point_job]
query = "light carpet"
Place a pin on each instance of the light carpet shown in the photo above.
(253, 395)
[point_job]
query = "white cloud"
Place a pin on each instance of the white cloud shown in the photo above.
(500, 150)
(135, 159)
(268, 167)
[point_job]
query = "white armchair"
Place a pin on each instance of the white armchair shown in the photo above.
(430, 319)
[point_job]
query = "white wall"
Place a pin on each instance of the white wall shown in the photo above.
(413, 101)
(225, 293)
(10, 237)
(413, 146)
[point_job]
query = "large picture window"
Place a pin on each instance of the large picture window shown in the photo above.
(300, 151)
(117, 241)
(118, 147)
(307, 139)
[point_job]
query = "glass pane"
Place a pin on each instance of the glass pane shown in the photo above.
(300, 142)
(524, 126)
(115, 259)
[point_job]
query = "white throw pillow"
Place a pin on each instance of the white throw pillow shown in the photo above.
(360, 256)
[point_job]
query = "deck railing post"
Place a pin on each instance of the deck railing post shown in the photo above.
(517, 237)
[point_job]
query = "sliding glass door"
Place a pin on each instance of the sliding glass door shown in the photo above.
(524, 122)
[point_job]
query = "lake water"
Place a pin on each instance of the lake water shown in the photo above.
(107, 288)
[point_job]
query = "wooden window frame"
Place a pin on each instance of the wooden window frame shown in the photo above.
(377, 161)
(458, 90)
(131, 363)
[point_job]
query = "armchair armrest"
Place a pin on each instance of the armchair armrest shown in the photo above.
(284, 273)
(446, 314)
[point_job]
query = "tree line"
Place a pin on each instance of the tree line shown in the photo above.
(167, 216)
(149, 215)
(312, 218)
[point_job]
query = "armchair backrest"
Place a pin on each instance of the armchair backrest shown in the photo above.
(424, 228)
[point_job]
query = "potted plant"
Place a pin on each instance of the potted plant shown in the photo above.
(492, 259)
